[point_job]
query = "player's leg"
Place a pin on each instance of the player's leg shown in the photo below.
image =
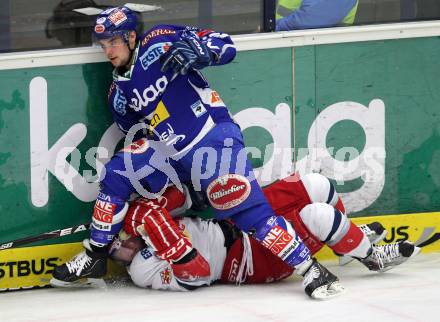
(330, 226)
(319, 189)
(108, 215)
(234, 193)
(117, 184)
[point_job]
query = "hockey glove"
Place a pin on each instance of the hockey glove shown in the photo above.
(188, 52)
(148, 219)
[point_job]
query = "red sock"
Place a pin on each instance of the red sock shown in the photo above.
(350, 241)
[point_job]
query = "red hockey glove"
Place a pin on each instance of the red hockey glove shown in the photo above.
(148, 219)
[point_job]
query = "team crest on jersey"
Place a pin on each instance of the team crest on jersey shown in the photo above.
(228, 191)
(165, 275)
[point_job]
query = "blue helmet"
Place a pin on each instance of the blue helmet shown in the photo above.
(117, 21)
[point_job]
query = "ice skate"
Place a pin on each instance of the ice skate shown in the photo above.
(383, 258)
(85, 269)
(375, 233)
(320, 284)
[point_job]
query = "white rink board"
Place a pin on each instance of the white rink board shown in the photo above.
(296, 38)
(407, 293)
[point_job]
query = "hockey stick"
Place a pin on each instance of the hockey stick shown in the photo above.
(44, 236)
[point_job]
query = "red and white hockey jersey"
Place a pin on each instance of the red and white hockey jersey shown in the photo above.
(246, 261)
(147, 270)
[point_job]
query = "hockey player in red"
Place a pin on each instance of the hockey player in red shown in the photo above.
(311, 205)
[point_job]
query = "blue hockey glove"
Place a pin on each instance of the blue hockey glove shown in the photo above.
(188, 52)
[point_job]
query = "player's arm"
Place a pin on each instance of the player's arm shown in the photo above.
(148, 219)
(220, 44)
(197, 49)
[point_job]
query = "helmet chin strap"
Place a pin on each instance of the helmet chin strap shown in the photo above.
(127, 40)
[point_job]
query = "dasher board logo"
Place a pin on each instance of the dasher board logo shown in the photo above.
(47, 159)
(228, 191)
(32, 266)
(29, 267)
(22, 268)
(422, 229)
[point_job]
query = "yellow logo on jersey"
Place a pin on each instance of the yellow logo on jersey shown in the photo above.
(160, 115)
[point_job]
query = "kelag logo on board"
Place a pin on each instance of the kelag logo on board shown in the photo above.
(368, 164)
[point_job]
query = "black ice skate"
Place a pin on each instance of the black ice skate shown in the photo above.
(319, 283)
(85, 269)
(375, 233)
(383, 258)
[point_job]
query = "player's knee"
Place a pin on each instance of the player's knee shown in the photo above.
(323, 221)
(320, 189)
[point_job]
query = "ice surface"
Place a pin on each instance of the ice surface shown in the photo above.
(407, 293)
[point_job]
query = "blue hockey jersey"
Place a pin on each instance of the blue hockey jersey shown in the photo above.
(179, 110)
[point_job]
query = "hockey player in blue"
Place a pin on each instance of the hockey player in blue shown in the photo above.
(179, 130)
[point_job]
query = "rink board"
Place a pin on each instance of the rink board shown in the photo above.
(370, 123)
(30, 267)
(359, 105)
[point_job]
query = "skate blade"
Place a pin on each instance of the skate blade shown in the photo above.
(415, 252)
(83, 282)
(344, 260)
(327, 292)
